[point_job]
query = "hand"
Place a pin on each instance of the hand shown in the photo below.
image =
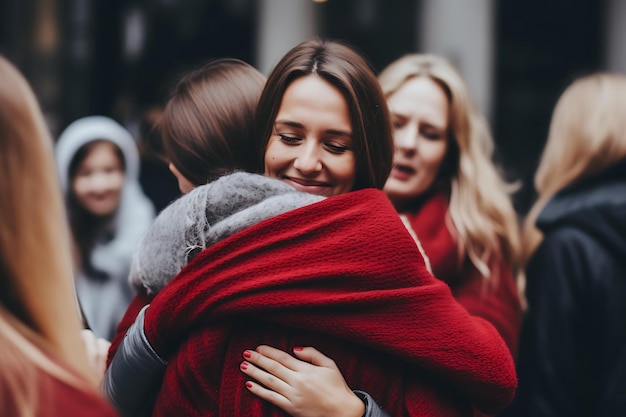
(97, 350)
(310, 385)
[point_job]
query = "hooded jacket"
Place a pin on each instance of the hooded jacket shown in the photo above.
(104, 301)
(572, 358)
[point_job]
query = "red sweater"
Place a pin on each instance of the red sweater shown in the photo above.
(496, 300)
(342, 275)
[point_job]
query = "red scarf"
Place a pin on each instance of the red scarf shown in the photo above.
(342, 275)
(496, 299)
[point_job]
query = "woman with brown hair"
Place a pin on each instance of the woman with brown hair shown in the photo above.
(445, 185)
(207, 127)
(44, 365)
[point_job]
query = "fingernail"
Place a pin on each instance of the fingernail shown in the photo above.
(298, 348)
(247, 354)
(244, 365)
(249, 384)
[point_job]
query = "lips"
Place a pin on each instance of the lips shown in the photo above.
(402, 172)
(307, 186)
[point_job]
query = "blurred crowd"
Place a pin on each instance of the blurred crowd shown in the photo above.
(323, 241)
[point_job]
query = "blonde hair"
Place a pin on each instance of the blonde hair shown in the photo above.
(37, 304)
(480, 203)
(587, 136)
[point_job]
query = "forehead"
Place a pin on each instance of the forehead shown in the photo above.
(421, 97)
(102, 150)
(316, 104)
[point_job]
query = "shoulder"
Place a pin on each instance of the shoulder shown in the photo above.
(570, 259)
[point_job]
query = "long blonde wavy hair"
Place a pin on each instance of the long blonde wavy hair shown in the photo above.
(480, 201)
(38, 315)
(587, 136)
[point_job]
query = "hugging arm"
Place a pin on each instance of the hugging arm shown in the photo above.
(308, 385)
(134, 376)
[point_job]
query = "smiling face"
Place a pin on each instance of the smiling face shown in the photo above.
(419, 111)
(99, 178)
(311, 146)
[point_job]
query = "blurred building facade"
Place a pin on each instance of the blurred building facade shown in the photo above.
(120, 57)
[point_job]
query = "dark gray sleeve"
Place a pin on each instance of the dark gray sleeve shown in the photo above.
(135, 375)
(371, 408)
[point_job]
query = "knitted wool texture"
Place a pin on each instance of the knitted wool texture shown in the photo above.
(495, 299)
(345, 276)
(205, 216)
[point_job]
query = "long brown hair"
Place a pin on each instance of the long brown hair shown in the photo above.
(37, 304)
(207, 126)
(351, 74)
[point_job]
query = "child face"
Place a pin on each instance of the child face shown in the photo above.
(311, 147)
(99, 179)
(419, 111)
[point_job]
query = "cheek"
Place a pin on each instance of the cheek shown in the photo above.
(274, 157)
(118, 181)
(80, 186)
(345, 170)
(433, 156)
(351, 169)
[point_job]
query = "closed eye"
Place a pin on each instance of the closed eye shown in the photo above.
(289, 139)
(337, 148)
(433, 134)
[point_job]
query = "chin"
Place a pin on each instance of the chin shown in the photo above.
(103, 211)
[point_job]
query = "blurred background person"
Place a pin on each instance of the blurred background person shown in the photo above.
(98, 166)
(572, 358)
(445, 182)
(44, 364)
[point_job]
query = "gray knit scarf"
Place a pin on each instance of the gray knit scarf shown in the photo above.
(205, 216)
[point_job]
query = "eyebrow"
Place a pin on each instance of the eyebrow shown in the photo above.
(296, 125)
(425, 122)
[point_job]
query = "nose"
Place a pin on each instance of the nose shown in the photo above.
(308, 160)
(101, 183)
(406, 138)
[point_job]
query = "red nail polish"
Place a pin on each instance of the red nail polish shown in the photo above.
(247, 354)
(244, 365)
(298, 348)
(249, 384)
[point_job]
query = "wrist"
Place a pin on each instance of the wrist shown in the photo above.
(356, 408)
(371, 408)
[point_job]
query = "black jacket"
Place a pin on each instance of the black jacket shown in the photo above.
(572, 357)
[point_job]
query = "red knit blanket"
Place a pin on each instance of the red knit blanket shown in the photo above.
(344, 276)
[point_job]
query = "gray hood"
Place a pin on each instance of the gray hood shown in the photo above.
(136, 211)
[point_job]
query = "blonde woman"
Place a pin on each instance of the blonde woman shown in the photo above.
(573, 344)
(45, 370)
(443, 179)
